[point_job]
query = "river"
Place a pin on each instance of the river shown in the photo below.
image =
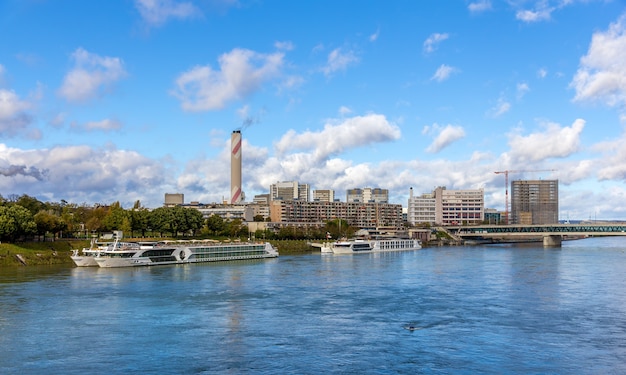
(482, 309)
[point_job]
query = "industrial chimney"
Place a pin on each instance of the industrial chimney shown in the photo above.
(235, 167)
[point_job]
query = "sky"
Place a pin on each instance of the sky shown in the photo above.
(127, 100)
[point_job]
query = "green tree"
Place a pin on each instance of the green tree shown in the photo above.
(216, 225)
(15, 222)
(48, 223)
(117, 219)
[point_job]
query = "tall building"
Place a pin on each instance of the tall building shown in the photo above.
(323, 195)
(535, 202)
(367, 195)
(447, 207)
(421, 209)
(289, 191)
(236, 195)
(459, 207)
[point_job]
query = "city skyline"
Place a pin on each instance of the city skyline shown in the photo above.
(129, 100)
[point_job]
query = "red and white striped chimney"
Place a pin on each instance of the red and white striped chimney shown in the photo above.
(235, 167)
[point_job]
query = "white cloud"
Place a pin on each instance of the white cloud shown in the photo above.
(339, 136)
(284, 46)
(91, 76)
(445, 136)
(443, 73)
(431, 43)
(106, 124)
(522, 89)
(374, 37)
(540, 14)
(82, 174)
(339, 60)
(479, 6)
(542, 73)
(500, 108)
(601, 75)
(157, 12)
(241, 73)
(554, 142)
(613, 166)
(344, 111)
(14, 116)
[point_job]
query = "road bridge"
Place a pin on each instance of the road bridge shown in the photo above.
(551, 234)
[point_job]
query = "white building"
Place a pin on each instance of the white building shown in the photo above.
(289, 191)
(447, 207)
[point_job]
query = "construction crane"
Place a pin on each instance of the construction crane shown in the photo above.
(506, 186)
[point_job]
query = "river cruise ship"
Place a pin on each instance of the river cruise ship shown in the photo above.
(372, 246)
(130, 254)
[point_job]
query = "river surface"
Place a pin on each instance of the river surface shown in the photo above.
(482, 309)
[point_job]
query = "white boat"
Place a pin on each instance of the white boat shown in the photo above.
(87, 256)
(128, 254)
(374, 246)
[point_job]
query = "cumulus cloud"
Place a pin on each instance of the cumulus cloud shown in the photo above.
(338, 59)
(241, 73)
(613, 166)
(91, 76)
(444, 136)
(479, 6)
(14, 117)
(522, 89)
(443, 73)
(157, 12)
(374, 37)
(601, 75)
(542, 13)
(431, 43)
(554, 142)
(340, 135)
(80, 174)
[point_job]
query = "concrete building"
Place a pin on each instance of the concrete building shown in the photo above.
(446, 207)
(236, 194)
(360, 215)
(535, 202)
(323, 195)
(367, 195)
(421, 209)
(173, 200)
(289, 191)
(459, 207)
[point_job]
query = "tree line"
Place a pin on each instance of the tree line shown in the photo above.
(26, 218)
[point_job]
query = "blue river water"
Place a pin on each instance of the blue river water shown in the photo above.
(481, 309)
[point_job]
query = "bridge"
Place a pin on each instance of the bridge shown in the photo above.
(551, 234)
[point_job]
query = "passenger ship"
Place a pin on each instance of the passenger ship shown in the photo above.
(372, 246)
(129, 254)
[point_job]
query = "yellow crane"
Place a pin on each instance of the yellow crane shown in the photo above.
(506, 186)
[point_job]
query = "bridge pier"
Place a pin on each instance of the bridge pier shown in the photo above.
(552, 241)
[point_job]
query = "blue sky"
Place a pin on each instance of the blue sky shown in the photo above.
(127, 100)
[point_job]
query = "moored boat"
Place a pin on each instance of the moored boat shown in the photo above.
(133, 255)
(374, 246)
(87, 256)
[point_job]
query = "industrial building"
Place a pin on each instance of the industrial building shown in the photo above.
(535, 202)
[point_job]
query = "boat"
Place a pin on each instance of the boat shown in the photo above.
(359, 246)
(87, 256)
(129, 254)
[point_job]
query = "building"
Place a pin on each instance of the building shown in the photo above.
(459, 207)
(236, 194)
(535, 202)
(323, 195)
(360, 215)
(173, 200)
(367, 195)
(447, 207)
(289, 191)
(421, 209)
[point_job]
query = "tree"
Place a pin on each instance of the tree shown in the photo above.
(216, 225)
(16, 221)
(47, 222)
(117, 219)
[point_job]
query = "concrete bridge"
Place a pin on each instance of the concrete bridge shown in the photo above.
(550, 234)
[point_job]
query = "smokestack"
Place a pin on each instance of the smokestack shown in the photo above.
(235, 167)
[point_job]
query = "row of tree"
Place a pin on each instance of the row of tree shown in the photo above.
(24, 217)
